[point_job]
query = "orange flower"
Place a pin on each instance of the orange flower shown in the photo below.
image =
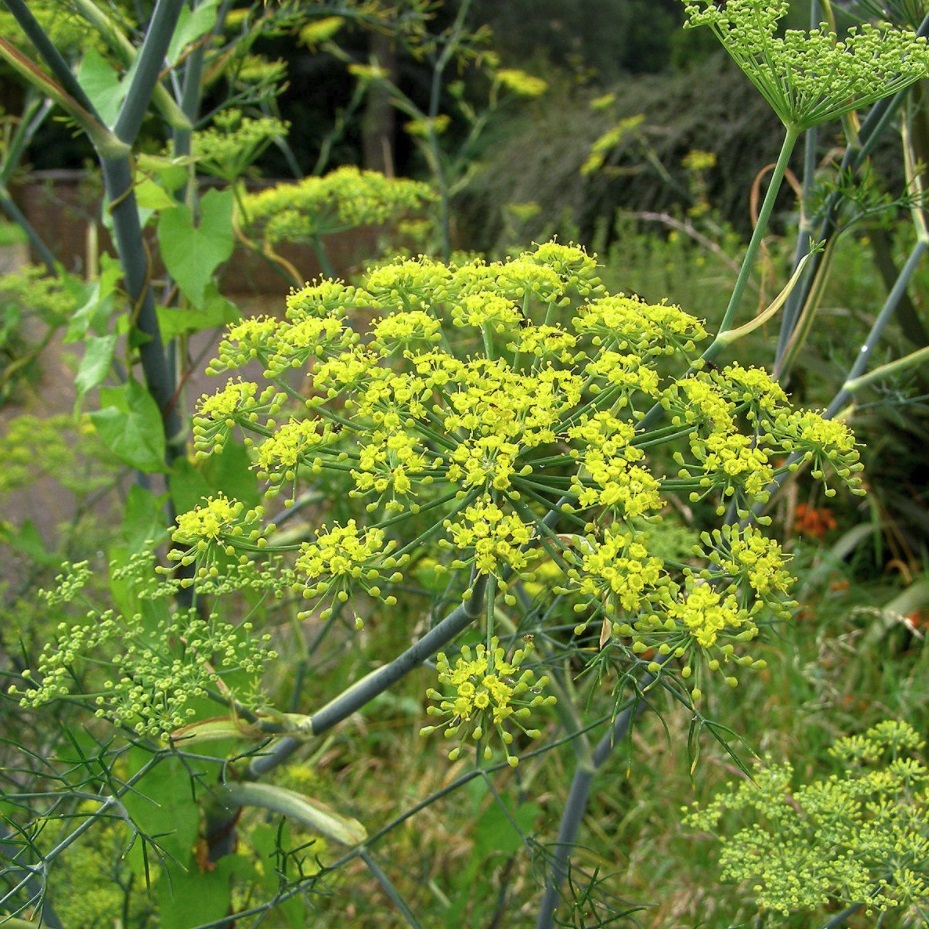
(808, 520)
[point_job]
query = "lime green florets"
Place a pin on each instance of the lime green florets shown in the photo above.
(220, 524)
(811, 78)
(238, 405)
(498, 539)
(858, 837)
(463, 405)
(343, 199)
(621, 572)
(520, 83)
(825, 443)
(754, 562)
(489, 694)
(146, 674)
(228, 148)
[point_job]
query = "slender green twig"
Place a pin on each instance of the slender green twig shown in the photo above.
(35, 111)
(841, 918)
(432, 139)
(378, 681)
(388, 887)
(842, 398)
(576, 805)
(761, 227)
(34, 883)
(50, 55)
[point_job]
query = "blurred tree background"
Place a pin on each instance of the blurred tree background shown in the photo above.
(632, 53)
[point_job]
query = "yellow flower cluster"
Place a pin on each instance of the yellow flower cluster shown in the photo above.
(221, 527)
(754, 562)
(342, 199)
(470, 400)
(239, 404)
(234, 142)
(145, 672)
(621, 573)
(856, 837)
(488, 692)
(497, 539)
(344, 559)
(520, 83)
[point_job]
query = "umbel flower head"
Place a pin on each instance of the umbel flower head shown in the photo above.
(147, 673)
(458, 409)
(812, 77)
(488, 694)
(343, 199)
(219, 527)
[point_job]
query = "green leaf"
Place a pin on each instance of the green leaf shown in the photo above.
(501, 833)
(269, 844)
(150, 195)
(231, 473)
(102, 84)
(129, 424)
(143, 518)
(192, 897)
(191, 25)
(189, 488)
(161, 806)
(172, 172)
(215, 311)
(94, 314)
(192, 253)
(28, 540)
(95, 365)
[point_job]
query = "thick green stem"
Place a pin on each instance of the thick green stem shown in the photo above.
(840, 919)
(887, 311)
(127, 229)
(50, 55)
(133, 256)
(126, 51)
(148, 69)
(378, 681)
